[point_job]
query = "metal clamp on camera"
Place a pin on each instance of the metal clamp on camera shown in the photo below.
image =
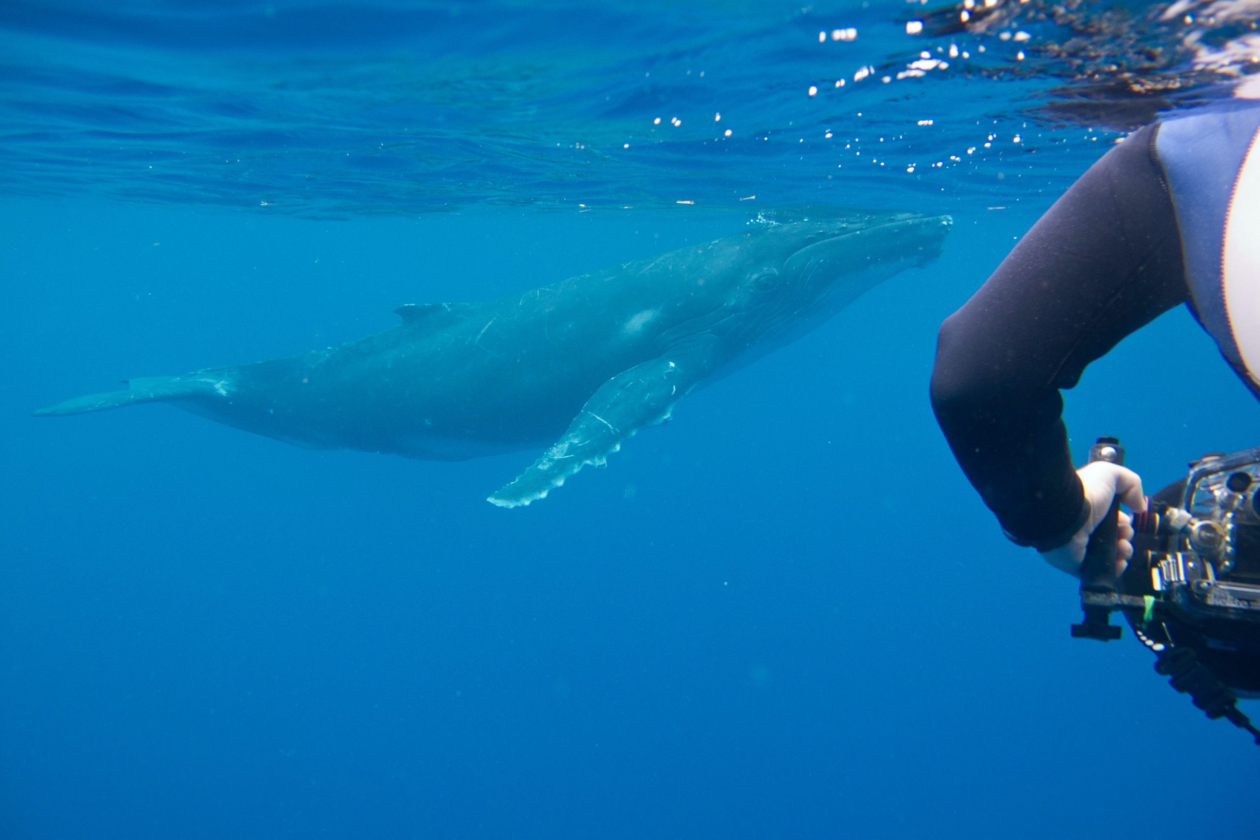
(1191, 591)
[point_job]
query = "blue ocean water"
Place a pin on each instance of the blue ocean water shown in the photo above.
(785, 614)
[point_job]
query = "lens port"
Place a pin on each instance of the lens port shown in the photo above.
(1238, 482)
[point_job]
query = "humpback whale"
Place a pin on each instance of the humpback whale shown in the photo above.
(581, 364)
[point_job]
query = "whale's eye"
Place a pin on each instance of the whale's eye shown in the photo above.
(765, 280)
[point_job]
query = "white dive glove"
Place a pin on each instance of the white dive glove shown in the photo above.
(1103, 481)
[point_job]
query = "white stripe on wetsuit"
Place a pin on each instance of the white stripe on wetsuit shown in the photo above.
(1240, 261)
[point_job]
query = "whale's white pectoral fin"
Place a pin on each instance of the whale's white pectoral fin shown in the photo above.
(642, 396)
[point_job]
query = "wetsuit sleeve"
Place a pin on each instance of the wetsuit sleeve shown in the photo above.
(1102, 262)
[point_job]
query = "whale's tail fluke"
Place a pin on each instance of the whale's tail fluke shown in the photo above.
(143, 390)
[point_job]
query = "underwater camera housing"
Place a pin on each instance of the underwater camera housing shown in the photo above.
(1191, 591)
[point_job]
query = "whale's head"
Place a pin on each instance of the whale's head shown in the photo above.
(800, 272)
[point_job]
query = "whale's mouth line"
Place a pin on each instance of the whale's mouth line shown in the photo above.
(825, 241)
(920, 240)
(925, 222)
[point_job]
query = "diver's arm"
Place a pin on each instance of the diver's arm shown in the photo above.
(1102, 262)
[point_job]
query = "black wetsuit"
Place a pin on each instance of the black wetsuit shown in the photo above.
(1102, 262)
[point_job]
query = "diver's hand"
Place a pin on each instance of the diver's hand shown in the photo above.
(1103, 482)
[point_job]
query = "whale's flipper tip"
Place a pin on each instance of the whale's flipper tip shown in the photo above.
(523, 491)
(506, 502)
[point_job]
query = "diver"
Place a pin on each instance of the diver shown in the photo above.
(1171, 215)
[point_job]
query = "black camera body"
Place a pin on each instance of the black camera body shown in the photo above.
(1191, 590)
(1196, 569)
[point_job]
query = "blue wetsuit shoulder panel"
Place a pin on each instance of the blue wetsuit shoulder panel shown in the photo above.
(1201, 155)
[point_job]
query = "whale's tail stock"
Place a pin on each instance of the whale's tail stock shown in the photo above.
(144, 390)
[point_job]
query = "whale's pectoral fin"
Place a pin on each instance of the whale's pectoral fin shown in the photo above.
(642, 396)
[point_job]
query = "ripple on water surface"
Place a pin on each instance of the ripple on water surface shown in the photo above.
(319, 108)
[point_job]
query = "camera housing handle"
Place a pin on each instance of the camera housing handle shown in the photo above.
(1099, 581)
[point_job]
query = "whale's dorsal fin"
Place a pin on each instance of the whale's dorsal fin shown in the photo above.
(412, 313)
